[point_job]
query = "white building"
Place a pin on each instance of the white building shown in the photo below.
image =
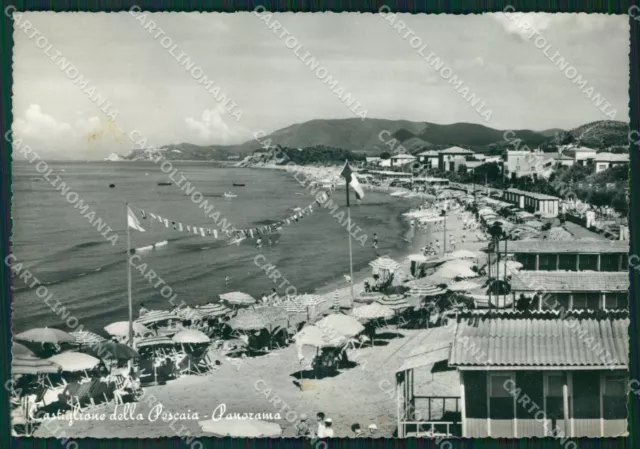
(604, 161)
(401, 159)
(524, 163)
(446, 158)
(428, 158)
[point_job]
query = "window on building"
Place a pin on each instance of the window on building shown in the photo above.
(609, 262)
(554, 397)
(614, 397)
(588, 262)
(586, 301)
(567, 262)
(547, 262)
(586, 395)
(501, 399)
(617, 301)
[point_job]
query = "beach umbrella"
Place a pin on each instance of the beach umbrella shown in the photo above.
(249, 322)
(151, 342)
(310, 300)
(462, 286)
(157, 316)
(121, 329)
(319, 338)
(372, 311)
(426, 291)
(189, 313)
(238, 428)
(455, 269)
(511, 267)
(111, 350)
(45, 335)
(238, 298)
(191, 336)
(343, 324)
(74, 361)
(32, 365)
(394, 302)
(213, 310)
(294, 307)
(385, 263)
(461, 254)
(86, 338)
(20, 350)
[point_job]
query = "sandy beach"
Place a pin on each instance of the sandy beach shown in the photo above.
(364, 394)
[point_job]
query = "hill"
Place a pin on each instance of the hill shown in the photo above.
(373, 136)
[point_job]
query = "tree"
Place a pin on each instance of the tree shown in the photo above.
(385, 155)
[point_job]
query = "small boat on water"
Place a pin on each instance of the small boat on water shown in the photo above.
(235, 184)
(230, 195)
(164, 183)
(36, 178)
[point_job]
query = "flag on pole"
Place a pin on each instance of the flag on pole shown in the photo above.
(352, 181)
(132, 221)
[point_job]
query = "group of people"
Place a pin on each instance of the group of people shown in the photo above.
(323, 428)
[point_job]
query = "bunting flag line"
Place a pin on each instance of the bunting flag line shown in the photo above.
(179, 226)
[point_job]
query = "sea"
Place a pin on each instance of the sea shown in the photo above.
(87, 274)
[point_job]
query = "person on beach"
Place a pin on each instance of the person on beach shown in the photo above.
(259, 243)
(464, 237)
(375, 240)
(264, 298)
(302, 427)
(320, 425)
(270, 241)
(372, 430)
(328, 430)
(226, 280)
(357, 431)
(143, 309)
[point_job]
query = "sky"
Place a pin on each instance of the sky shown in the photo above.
(150, 92)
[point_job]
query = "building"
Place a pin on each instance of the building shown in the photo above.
(522, 374)
(523, 163)
(592, 290)
(373, 160)
(470, 165)
(574, 255)
(400, 160)
(428, 158)
(496, 159)
(382, 174)
(583, 156)
(604, 160)
(533, 202)
(446, 158)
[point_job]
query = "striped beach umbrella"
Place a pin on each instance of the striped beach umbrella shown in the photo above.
(157, 316)
(310, 300)
(342, 324)
(32, 365)
(426, 291)
(385, 263)
(154, 342)
(20, 350)
(294, 307)
(394, 302)
(86, 338)
(238, 298)
(336, 301)
(213, 310)
(191, 336)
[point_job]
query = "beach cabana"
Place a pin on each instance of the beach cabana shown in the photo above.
(249, 321)
(238, 299)
(86, 338)
(373, 311)
(461, 254)
(45, 335)
(121, 329)
(74, 361)
(237, 428)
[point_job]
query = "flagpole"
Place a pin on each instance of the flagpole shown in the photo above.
(126, 214)
(349, 234)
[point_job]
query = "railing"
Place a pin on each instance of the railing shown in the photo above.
(442, 417)
(433, 432)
